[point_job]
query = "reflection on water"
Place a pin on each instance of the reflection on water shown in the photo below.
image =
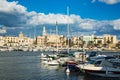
(27, 66)
(91, 77)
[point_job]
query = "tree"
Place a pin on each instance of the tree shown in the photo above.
(35, 42)
(70, 42)
(83, 43)
(99, 43)
(90, 43)
(95, 38)
(108, 43)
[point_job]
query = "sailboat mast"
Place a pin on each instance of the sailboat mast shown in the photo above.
(57, 36)
(34, 32)
(68, 26)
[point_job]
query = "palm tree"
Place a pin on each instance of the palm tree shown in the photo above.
(108, 42)
(99, 43)
(90, 43)
(83, 43)
(95, 41)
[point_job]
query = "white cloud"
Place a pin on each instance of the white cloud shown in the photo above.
(110, 2)
(51, 18)
(11, 7)
(14, 15)
(3, 31)
(116, 24)
(88, 24)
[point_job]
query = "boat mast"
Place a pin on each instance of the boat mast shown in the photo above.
(68, 32)
(57, 36)
(34, 33)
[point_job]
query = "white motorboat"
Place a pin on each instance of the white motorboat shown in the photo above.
(49, 59)
(53, 62)
(102, 57)
(102, 68)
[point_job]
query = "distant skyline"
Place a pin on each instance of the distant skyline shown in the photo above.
(86, 16)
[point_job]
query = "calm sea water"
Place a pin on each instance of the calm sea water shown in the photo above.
(19, 65)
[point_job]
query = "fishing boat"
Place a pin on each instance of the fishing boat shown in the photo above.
(102, 68)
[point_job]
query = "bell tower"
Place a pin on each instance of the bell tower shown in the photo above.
(44, 31)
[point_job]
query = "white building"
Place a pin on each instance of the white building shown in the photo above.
(111, 38)
(99, 40)
(1, 41)
(24, 41)
(88, 38)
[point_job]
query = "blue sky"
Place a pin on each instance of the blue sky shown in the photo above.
(86, 16)
(84, 8)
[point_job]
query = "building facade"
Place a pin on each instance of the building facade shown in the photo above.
(110, 40)
(41, 41)
(1, 41)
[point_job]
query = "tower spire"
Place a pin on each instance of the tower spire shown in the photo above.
(44, 31)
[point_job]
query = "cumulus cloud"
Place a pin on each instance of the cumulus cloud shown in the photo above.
(3, 31)
(12, 14)
(11, 7)
(116, 24)
(88, 24)
(15, 15)
(110, 2)
(50, 18)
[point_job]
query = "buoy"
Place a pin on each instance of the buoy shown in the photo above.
(67, 70)
(42, 55)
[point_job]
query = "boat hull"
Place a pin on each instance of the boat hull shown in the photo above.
(103, 73)
(72, 66)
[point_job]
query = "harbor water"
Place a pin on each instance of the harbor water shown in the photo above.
(19, 65)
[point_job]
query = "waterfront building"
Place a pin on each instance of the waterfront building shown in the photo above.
(24, 41)
(110, 40)
(10, 41)
(118, 44)
(62, 42)
(1, 41)
(76, 41)
(88, 38)
(98, 41)
(41, 41)
(53, 40)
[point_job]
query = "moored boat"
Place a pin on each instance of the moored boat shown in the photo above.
(53, 63)
(102, 68)
(71, 65)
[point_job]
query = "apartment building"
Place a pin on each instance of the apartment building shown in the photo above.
(1, 41)
(41, 40)
(110, 40)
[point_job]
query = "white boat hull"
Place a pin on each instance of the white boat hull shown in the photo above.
(101, 71)
(53, 63)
